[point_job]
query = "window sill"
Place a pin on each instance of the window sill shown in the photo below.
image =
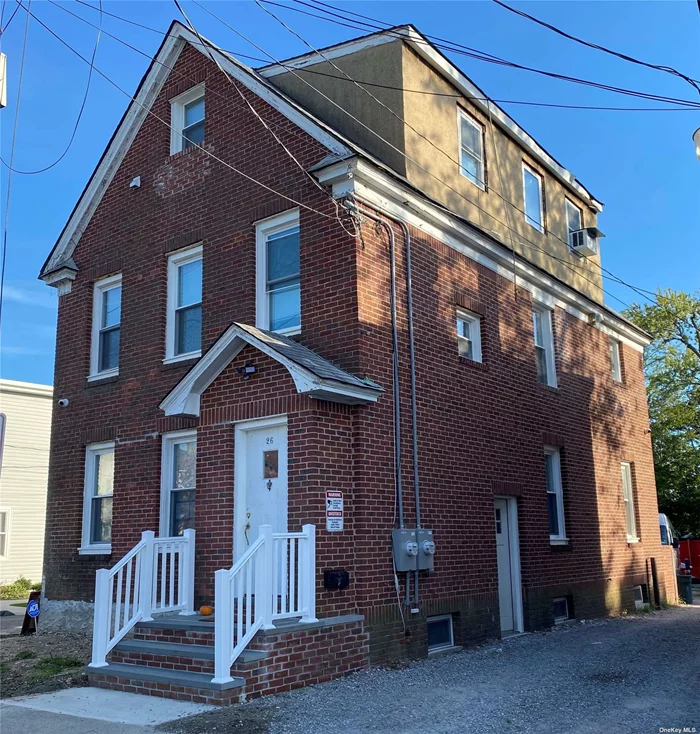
(631, 541)
(288, 332)
(183, 357)
(549, 388)
(473, 183)
(103, 375)
(559, 541)
(473, 363)
(95, 550)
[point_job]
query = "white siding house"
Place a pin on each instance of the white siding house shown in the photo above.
(25, 430)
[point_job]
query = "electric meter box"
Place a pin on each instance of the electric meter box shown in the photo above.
(426, 549)
(405, 549)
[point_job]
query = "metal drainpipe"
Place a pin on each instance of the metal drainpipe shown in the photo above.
(412, 362)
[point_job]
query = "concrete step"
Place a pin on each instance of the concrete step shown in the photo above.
(184, 679)
(194, 623)
(170, 649)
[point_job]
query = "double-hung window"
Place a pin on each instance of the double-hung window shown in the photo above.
(574, 220)
(532, 194)
(97, 503)
(187, 120)
(469, 335)
(555, 495)
(106, 327)
(628, 499)
(178, 480)
(4, 533)
(615, 360)
(278, 273)
(544, 345)
(184, 317)
(471, 149)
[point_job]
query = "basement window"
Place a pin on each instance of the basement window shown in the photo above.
(560, 610)
(440, 633)
(641, 597)
(187, 120)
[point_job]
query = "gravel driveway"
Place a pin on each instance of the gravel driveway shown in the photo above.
(628, 676)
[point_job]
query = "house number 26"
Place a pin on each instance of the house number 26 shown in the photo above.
(270, 439)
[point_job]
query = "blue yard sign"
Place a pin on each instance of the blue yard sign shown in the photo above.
(33, 608)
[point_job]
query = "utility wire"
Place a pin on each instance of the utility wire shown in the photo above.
(80, 111)
(668, 69)
(368, 83)
(12, 158)
(9, 20)
(480, 55)
(153, 114)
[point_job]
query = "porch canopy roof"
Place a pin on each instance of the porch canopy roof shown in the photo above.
(313, 375)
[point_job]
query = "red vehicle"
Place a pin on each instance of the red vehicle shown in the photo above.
(690, 549)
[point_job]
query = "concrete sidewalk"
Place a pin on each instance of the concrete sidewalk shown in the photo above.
(11, 625)
(16, 718)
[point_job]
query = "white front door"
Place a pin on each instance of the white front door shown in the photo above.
(261, 481)
(505, 574)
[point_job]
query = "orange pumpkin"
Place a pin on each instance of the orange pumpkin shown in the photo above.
(206, 611)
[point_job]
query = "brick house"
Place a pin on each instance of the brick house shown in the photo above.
(332, 330)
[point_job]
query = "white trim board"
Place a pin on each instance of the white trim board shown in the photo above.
(151, 86)
(425, 49)
(359, 178)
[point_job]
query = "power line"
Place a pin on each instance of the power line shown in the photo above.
(457, 48)
(521, 237)
(598, 47)
(368, 83)
(12, 158)
(80, 111)
(9, 20)
(153, 114)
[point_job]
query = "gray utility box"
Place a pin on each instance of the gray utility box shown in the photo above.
(413, 549)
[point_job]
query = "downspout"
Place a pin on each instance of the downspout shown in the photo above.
(412, 363)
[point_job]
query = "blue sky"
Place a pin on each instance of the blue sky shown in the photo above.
(641, 165)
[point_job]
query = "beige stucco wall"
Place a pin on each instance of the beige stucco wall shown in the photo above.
(437, 173)
(24, 475)
(380, 64)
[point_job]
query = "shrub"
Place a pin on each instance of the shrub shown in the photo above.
(18, 589)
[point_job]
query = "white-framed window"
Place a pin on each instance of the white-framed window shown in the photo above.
(278, 283)
(555, 495)
(560, 609)
(5, 516)
(183, 330)
(187, 119)
(106, 327)
(574, 220)
(641, 596)
(532, 195)
(469, 335)
(615, 360)
(440, 633)
(471, 149)
(97, 502)
(544, 345)
(628, 499)
(178, 481)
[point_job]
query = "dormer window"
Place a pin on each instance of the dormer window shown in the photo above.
(532, 193)
(471, 145)
(187, 120)
(574, 220)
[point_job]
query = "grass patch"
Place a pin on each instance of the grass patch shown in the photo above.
(48, 667)
(18, 589)
(25, 655)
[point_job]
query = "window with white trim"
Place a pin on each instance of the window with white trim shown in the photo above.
(560, 609)
(187, 119)
(440, 633)
(97, 503)
(4, 533)
(183, 331)
(532, 195)
(544, 345)
(574, 220)
(555, 495)
(471, 149)
(106, 327)
(615, 360)
(469, 335)
(278, 281)
(178, 481)
(628, 499)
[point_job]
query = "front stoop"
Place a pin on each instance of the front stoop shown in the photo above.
(173, 657)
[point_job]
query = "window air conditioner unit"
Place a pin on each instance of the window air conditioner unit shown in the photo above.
(584, 241)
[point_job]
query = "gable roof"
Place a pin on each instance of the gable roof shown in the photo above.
(149, 88)
(312, 374)
(443, 66)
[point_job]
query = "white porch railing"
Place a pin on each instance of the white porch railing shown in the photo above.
(154, 577)
(274, 579)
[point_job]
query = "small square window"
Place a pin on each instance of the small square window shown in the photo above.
(560, 609)
(440, 633)
(469, 335)
(187, 120)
